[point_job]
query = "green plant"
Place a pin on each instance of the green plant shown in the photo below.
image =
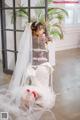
(55, 16)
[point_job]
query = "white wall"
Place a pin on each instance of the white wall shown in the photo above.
(71, 39)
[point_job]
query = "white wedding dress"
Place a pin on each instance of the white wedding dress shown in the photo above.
(41, 82)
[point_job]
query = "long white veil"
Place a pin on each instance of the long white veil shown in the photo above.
(24, 58)
(10, 98)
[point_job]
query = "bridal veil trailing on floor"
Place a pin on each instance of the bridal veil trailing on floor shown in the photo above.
(38, 102)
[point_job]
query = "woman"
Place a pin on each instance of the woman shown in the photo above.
(40, 55)
(43, 47)
(40, 52)
(21, 95)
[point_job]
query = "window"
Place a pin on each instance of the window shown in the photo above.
(74, 14)
(11, 33)
(73, 9)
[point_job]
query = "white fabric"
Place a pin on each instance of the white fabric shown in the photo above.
(24, 59)
(41, 78)
(51, 48)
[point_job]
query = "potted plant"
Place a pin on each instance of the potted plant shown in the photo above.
(55, 16)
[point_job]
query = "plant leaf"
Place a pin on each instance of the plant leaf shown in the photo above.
(58, 10)
(57, 34)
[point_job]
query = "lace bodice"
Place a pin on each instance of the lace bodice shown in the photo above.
(40, 52)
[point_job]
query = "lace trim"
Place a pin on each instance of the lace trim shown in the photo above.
(34, 58)
(37, 50)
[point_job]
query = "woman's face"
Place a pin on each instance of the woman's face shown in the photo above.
(40, 31)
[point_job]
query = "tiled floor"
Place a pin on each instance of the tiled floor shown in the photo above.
(4, 78)
(66, 85)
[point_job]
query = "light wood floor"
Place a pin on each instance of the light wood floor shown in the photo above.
(66, 85)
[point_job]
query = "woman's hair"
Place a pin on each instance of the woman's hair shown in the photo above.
(37, 26)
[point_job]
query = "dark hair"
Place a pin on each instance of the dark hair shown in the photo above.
(37, 25)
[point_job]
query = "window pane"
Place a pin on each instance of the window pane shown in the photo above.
(70, 5)
(8, 3)
(18, 37)
(37, 3)
(10, 60)
(74, 14)
(24, 3)
(21, 19)
(19, 3)
(10, 40)
(9, 19)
